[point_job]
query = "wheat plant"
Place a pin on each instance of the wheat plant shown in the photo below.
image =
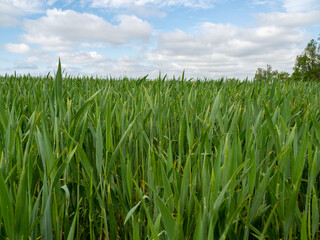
(89, 158)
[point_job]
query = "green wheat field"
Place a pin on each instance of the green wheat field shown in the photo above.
(89, 158)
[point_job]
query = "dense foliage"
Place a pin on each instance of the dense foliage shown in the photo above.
(85, 158)
(268, 74)
(307, 66)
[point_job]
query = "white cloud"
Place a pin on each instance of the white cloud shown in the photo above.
(289, 19)
(28, 66)
(26, 6)
(211, 50)
(20, 48)
(12, 10)
(33, 59)
(290, 5)
(127, 66)
(147, 11)
(301, 5)
(82, 57)
(9, 14)
(160, 3)
(263, 2)
(148, 8)
(51, 2)
(223, 49)
(60, 30)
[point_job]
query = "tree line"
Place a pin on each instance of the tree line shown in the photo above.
(306, 68)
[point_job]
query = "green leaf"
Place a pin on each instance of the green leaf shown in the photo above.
(21, 211)
(58, 90)
(6, 209)
(99, 149)
(261, 191)
(315, 213)
(73, 225)
(132, 210)
(84, 108)
(304, 234)
(185, 182)
(46, 223)
(114, 154)
(167, 218)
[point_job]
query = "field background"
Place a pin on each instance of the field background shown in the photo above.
(85, 158)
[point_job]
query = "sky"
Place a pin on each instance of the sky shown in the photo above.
(117, 38)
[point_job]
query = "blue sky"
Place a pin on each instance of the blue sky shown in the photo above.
(212, 39)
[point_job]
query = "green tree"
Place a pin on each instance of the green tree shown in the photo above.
(264, 74)
(307, 66)
(267, 74)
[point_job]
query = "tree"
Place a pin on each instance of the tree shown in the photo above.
(307, 66)
(264, 74)
(267, 74)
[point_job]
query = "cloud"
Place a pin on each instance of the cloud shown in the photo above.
(211, 49)
(227, 39)
(288, 19)
(159, 3)
(217, 50)
(148, 8)
(301, 6)
(82, 57)
(24, 6)
(20, 48)
(30, 6)
(263, 2)
(26, 66)
(147, 11)
(60, 30)
(290, 6)
(9, 14)
(12, 10)
(33, 59)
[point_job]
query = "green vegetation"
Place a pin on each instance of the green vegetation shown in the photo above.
(84, 158)
(269, 74)
(307, 66)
